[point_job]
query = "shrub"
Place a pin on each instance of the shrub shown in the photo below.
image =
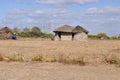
(15, 57)
(92, 37)
(38, 58)
(118, 63)
(111, 59)
(46, 35)
(54, 59)
(102, 36)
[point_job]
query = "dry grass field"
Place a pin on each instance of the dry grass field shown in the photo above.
(37, 59)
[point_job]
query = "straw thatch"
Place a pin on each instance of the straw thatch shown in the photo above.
(5, 33)
(65, 28)
(79, 29)
(5, 30)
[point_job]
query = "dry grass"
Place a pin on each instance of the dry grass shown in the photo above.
(68, 60)
(1, 58)
(38, 58)
(67, 52)
(14, 58)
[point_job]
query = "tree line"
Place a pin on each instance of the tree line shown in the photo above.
(33, 32)
(36, 32)
(103, 36)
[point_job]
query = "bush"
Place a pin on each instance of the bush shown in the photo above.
(38, 58)
(46, 35)
(23, 34)
(92, 36)
(15, 58)
(102, 36)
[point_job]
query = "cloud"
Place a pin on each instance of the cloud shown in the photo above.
(108, 11)
(106, 19)
(65, 2)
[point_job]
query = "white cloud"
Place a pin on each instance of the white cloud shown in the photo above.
(65, 2)
(108, 11)
(96, 20)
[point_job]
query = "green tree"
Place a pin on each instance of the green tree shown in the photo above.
(36, 31)
(102, 36)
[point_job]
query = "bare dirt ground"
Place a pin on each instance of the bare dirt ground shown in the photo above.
(56, 71)
(93, 52)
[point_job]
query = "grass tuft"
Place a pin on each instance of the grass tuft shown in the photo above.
(53, 59)
(118, 63)
(38, 58)
(1, 58)
(15, 58)
(67, 60)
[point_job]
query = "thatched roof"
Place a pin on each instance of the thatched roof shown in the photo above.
(79, 29)
(5, 30)
(65, 28)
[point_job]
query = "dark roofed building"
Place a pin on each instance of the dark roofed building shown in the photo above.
(65, 28)
(67, 32)
(79, 29)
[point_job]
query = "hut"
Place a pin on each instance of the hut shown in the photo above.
(5, 33)
(63, 32)
(68, 32)
(79, 33)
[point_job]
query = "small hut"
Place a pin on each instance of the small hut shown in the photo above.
(67, 32)
(63, 32)
(79, 33)
(5, 33)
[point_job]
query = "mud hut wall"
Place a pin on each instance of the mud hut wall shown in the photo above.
(64, 36)
(80, 36)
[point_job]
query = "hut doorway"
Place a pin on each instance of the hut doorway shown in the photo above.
(59, 35)
(73, 34)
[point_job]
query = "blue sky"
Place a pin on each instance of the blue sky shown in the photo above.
(94, 15)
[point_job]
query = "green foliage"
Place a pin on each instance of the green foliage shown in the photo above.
(23, 34)
(102, 35)
(114, 38)
(30, 34)
(46, 35)
(92, 36)
(98, 36)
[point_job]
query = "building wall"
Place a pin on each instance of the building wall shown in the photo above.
(77, 37)
(66, 37)
(63, 37)
(80, 36)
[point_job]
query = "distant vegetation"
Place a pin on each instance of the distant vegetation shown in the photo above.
(103, 36)
(34, 32)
